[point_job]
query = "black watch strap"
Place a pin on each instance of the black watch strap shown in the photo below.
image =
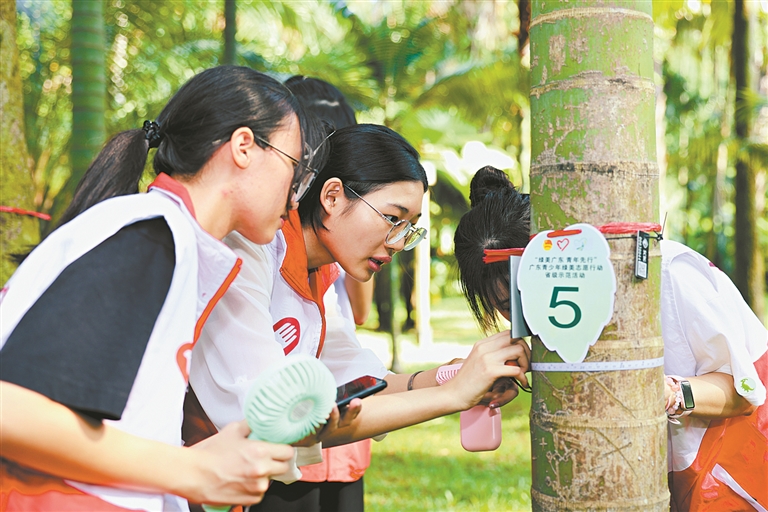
(688, 403)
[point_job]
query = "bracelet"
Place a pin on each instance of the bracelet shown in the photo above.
(675, 401)
(410, 380)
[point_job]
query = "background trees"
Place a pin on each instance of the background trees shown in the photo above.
(442, 73)
(16, 188)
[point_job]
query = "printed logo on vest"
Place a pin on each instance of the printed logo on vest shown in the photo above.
(747, 386)
(289, 333)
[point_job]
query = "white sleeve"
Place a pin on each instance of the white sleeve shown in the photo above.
(237, 342)
(722, 332)
(344, 356)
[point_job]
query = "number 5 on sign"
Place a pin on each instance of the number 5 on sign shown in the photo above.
(567, 287)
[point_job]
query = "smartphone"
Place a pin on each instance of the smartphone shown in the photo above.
(358, 388)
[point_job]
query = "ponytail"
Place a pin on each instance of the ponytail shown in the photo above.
(116, 171)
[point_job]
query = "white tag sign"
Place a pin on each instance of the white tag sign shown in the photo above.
(567, 286)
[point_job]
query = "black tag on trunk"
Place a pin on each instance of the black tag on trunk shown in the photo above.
(641, 255)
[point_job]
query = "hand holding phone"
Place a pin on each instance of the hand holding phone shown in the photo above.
(359, 388)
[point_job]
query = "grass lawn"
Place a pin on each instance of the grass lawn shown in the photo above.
(424, 467)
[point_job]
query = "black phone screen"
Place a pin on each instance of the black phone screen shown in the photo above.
(358, 388)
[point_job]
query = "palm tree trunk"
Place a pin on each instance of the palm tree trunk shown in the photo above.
(17, 232)
(89, 94)
(230, 28)
(598, 438)
(748, 273)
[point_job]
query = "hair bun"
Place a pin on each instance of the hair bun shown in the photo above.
(486, 180)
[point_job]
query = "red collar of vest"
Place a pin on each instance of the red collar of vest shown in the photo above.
(294, 267)
(166, 182)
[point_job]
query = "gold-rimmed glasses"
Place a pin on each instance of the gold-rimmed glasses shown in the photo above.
(304, 174)
(400, 230)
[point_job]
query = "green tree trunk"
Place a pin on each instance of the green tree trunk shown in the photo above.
(17, 232)
(89, 94)
(230, 28)
(748, 264)
(598, 438)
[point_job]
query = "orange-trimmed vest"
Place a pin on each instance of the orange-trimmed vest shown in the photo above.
(722, 464)
(274, 308)
(204, 268)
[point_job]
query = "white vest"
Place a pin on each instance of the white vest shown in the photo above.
(707, 327)
(204, 265)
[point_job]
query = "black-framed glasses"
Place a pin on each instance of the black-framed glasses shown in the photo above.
(304, 173)
(400, 230)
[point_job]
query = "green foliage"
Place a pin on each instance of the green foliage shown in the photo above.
(701, 149)
(441, 73)
(44, 62)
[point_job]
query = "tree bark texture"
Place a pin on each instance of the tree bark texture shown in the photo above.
(748, 264)
(598, 438)
(89, 94)
(17, 232)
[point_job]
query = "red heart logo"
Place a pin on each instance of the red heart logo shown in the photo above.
(562, 243)
(289, 332)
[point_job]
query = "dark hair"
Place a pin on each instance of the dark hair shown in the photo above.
(199, 118)
(499, 218)
(322, 99)
(365, 157)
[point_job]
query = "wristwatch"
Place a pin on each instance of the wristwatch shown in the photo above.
(687, 403)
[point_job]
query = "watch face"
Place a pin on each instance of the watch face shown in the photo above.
(685, 387)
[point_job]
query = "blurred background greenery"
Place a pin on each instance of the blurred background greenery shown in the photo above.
(451, 76)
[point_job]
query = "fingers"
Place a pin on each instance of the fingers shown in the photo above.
(269, 459)
(350, 412)
(502, 395)
(524, 361)
(516, 372)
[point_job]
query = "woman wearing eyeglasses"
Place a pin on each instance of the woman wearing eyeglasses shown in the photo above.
(359, 212)
(99, 320)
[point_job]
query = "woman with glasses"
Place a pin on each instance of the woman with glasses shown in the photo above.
(359, 212)
(99, 321)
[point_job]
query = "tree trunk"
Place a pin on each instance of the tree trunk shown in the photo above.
(230, 27)
(89, 95)
(598, 438)
(17, 232)
(748, 260)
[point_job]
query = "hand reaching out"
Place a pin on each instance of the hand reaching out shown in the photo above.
(231, 469)
(335, 421)
(489, 366)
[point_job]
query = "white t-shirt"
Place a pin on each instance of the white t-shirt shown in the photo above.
(707, 327)
(239, 341)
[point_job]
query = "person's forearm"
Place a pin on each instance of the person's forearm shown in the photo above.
(381, 414)
(715, 396)
(398, 382)
(49, 437)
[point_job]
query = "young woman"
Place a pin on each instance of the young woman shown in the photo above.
(712, 340)
(359, 213)
(336, 483)
(99, 321)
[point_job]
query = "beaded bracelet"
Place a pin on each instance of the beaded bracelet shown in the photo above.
(675, 400)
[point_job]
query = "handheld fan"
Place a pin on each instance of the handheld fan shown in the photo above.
(287, 403)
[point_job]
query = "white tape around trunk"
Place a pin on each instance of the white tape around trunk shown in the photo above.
(603, 366)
